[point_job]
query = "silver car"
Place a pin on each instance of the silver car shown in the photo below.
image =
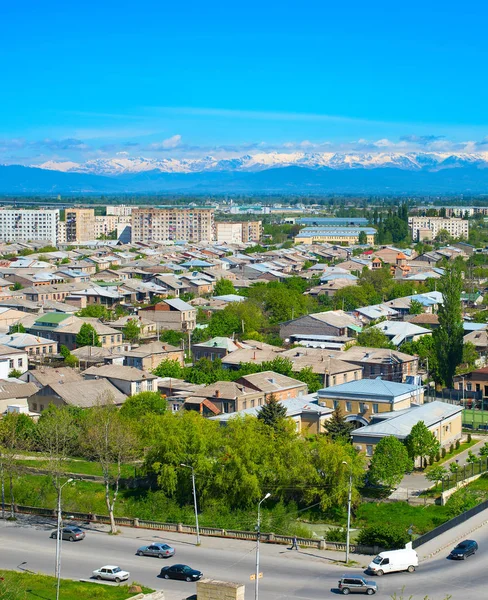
(159, 550)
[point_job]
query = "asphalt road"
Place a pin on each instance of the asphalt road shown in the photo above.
(304, 575)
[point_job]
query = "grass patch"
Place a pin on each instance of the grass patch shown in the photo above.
(80, 467)
(23, 586)
(462, 448)
(402, 514)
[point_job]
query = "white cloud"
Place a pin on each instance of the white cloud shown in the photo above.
(168, 144)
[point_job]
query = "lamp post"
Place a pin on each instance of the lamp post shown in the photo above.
(194, 499)
(258, 530)
(348, 533)
(58, 540)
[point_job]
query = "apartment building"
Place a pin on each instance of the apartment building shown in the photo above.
(24, 225)
(252, 231)
(229, 233)
(173, 224)
(428, 228)
(120, 210)
(80, 224)
(106, 224)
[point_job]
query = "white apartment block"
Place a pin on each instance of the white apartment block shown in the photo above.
(429, 227)
(23, 225)
(229, 233)
(173, 224)
(120, 210)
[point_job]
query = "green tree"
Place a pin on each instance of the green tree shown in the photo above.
(169, 368)
(470, 357)
(272, 413)
(95, 311)
(448, 337)
(312, 379)
(172, 337)
(15, 373)
(87, 336)
(64, 351)
(372, 337)
(142, 404)
(337, 428)
(16, 286)
(362, 238)
(436, 473)
(17, 328)
(131, 331)
(351, 297)
(390, 462)
(421, 442)
(71, 361)
(13, 439)
(224, 287)
(390, 537)
(416, 308)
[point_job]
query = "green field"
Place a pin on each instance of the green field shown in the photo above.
(26, 586)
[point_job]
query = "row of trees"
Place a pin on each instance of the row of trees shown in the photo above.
(235, 465)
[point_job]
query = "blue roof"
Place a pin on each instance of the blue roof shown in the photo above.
(379, 390)
(352, 231)
(331, 221)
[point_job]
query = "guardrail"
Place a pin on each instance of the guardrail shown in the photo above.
(270, 538)
(465, 472)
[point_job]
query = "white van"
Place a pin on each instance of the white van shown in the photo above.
(394, 560)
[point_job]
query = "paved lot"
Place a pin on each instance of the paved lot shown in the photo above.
(303, 575)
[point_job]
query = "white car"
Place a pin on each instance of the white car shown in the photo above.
(111, 573)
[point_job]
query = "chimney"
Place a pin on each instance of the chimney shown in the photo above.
(217, 393)
(254, 356)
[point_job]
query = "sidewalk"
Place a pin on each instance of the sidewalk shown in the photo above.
(413, 484)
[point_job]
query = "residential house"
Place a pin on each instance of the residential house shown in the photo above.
(361, 400)
(308, 415)
(12, 359)
(335, 323)
(84, 394)
(15, 394)
(256, 354)
(330, 370)
(35, 346)
(399, 332)
(172, 314)
(148, 329)
(90, 356)
(128, 380)
(274, 384)
(391, 365)
(223, 397)
(475, 381)
(442, 419)
(216, 348)
(480, 340)
(9, 316)
(44, 376)
(148, 356)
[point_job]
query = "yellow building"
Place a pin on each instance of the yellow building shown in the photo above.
(80, 224)
(344, 236)
(173, 224)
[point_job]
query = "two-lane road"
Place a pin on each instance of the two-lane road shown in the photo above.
(303, 575)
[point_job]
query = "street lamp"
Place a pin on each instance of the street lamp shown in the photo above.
(258, 530)
(194, 499)
(58, 540)
(348, 533)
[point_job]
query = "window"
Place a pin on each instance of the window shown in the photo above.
(34, 406)
(375, 408)
(41, 406)
(11, 363)
(469, 387)
(369, 450)
(361, 407)
(355, 374)
(336, 404)
(20, 362)
(348, 407)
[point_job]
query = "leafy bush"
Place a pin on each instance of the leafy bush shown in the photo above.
(458, 444)
(469, 438)
(443, 453)
(336, 535)
(451, 449)
(389, 537)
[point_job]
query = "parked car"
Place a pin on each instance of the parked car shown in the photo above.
(394, 561)
(72, 534)
(111, 573)
(159, 550)
(183, 572)
(463, 550)
(357, 584)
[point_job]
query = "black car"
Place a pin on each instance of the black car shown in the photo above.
(71, 534)
(464, 549)
(183, 572)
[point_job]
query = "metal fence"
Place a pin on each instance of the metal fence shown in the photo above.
(464, 472)
(430, 535)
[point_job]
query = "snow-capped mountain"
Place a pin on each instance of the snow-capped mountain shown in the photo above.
(411, 161)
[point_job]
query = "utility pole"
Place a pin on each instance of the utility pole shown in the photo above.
(58, 540)
(195, 506)
(349, 498)
(258, 536)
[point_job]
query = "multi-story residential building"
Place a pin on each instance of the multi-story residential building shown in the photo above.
(23, 225)
(172, 314)
(173, 224)
(429, 227)
(106, 224)
(229, 233)
(334, 235)
(252, 231)
(120, 210)
(80, 224)
(62, 232)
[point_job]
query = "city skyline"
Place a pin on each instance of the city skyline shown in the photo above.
(226, 81)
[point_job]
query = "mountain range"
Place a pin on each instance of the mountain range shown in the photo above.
(274, 172)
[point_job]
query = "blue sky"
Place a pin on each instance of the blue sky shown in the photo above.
(91, 79)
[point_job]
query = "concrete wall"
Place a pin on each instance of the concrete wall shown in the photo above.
(212, 589)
